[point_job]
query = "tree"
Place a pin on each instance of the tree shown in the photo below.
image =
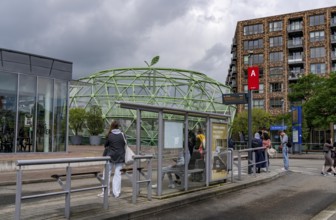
(260, 118)
(320, 109)
(95, 120)
(318, 96)
(77, 119)
(305, 88)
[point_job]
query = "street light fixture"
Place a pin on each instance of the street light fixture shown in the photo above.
(283, 112)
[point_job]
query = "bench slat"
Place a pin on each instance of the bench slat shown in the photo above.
(56, 176)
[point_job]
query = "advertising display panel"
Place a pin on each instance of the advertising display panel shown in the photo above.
(218, 151)
(173, 134)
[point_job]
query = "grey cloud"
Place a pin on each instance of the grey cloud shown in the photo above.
(97, 35)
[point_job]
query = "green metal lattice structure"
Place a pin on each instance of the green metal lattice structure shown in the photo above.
(175, 88)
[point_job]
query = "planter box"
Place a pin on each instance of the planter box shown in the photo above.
(95, 140)
(76, 140)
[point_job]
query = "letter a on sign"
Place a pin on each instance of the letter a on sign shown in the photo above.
(253, 78)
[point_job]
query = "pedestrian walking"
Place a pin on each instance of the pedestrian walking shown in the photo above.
(328, 161)
(284, 141)
(115, 144)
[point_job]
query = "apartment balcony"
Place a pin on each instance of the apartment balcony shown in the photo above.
(333, 22)
(233, 63)
(297, 30)
(333, 39)
(333, 55)
(234, 70)
(295, 60)
(294, 44)
(295, 75)
(233, 45)
(234, 56)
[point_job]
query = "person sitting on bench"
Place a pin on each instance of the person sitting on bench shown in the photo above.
(179, 164)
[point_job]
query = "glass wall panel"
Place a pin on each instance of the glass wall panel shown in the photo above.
(26, 117)
(60, 110)
(8, 103)
(44, 115)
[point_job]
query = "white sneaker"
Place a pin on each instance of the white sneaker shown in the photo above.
(102, 194)
(154, 186)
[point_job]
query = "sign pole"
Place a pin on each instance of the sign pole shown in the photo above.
(249, 106)
(253, 84)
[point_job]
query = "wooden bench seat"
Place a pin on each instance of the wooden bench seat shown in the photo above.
(57, 177)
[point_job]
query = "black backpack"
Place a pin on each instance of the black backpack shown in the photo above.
(289, 143)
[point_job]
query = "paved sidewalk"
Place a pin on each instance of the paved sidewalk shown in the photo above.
(87, 205)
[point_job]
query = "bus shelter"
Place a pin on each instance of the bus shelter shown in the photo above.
(216, 133)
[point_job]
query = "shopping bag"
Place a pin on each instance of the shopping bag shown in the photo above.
(271, 151)
(128, 155)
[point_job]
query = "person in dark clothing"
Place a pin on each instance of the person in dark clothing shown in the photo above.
(259, 154)
(115, 143)
(231, 143)
(191, 141)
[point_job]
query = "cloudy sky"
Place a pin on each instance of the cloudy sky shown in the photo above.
(102, 34)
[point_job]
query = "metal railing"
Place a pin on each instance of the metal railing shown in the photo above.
(251, 162)
(66, 188)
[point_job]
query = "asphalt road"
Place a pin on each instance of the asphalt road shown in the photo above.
(300, 194)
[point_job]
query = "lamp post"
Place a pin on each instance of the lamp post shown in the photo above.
(249, 106)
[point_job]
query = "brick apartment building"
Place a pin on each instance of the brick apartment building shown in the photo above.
(285, 47)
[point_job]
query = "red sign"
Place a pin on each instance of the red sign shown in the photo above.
(253, 78)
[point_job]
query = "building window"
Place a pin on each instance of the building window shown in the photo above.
(295, 57)
(316, 20)
(275, 87)
(276, 41)
(245, 88)
(333, 67)
(318, 68)
(316, 36)
(275, 26)
(253, 29)
(295, 25)
(275, 103)
(253, 44)
(256, 59)
(276, 72)
(258, 103)
(317, 52)
(295, 41)
(276, 56)
(261, 89)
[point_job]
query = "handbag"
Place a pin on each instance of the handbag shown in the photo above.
(271, 151)
(333, 154)
(128, 153)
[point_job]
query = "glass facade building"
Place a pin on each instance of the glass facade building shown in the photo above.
(33, 102)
